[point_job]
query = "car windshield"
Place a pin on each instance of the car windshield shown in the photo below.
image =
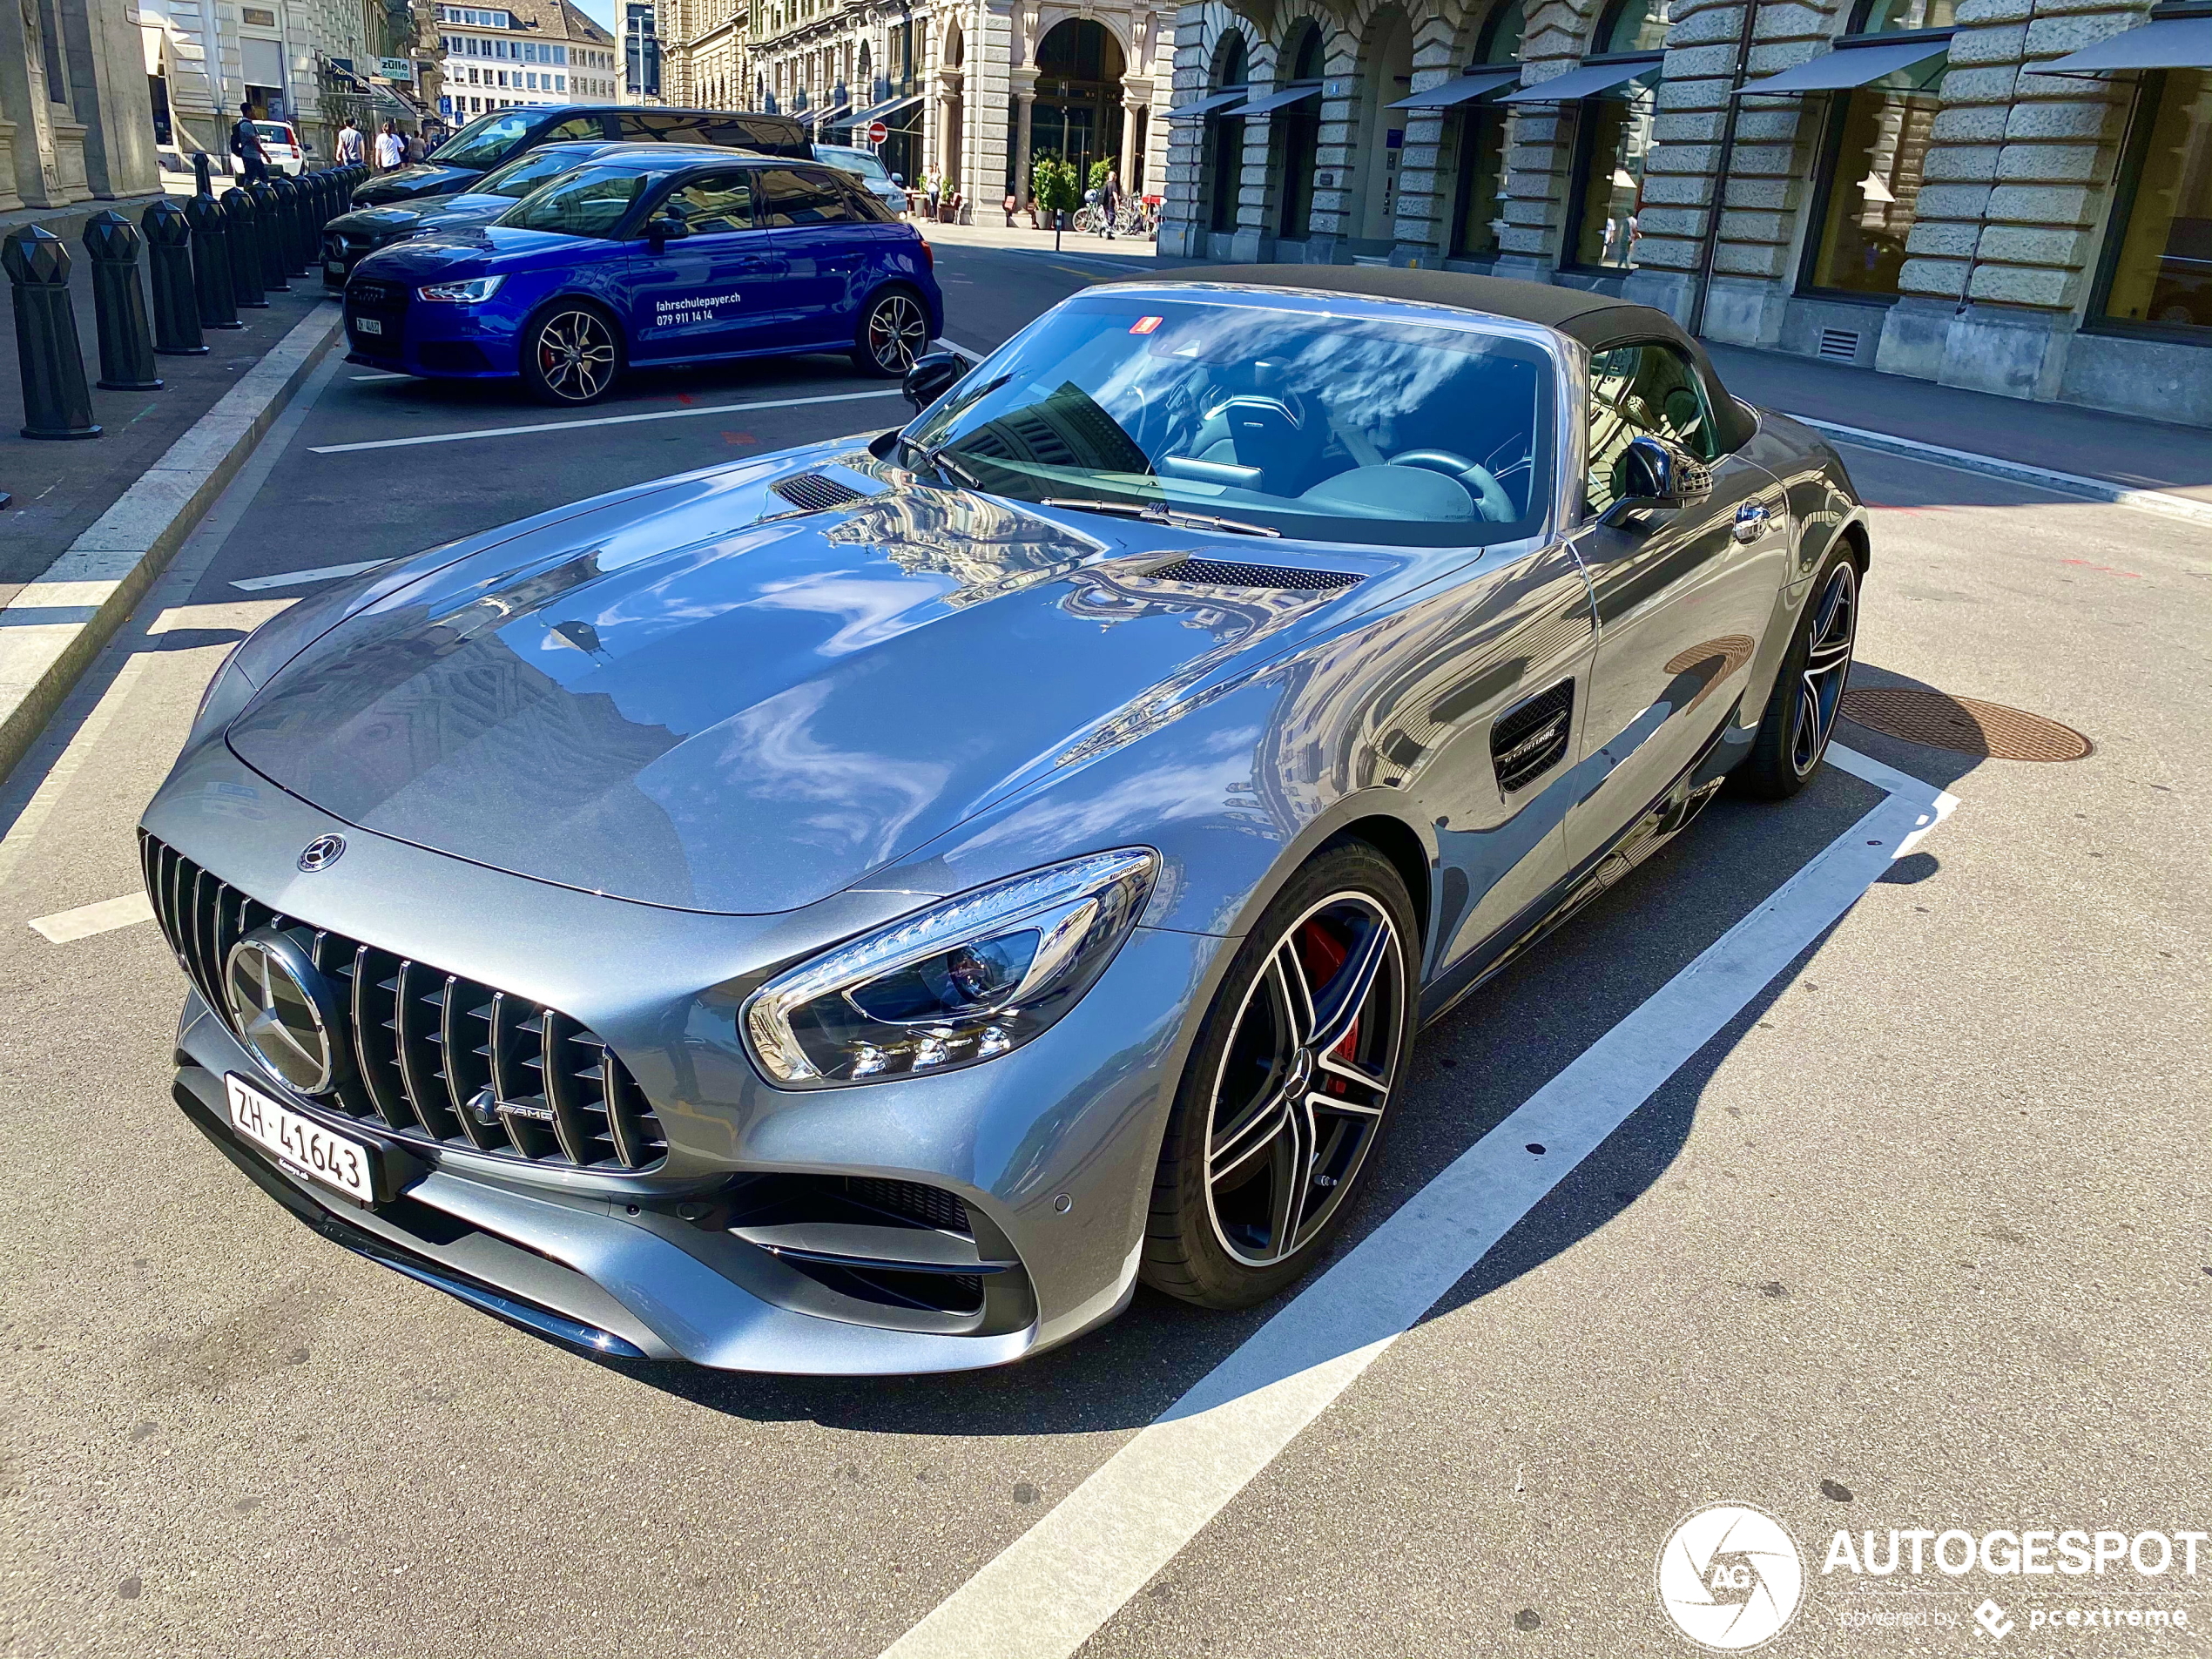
(591, 201)
(853, 161)
(484, 141)
(526, 172)
(1324, 427)
(274, 130)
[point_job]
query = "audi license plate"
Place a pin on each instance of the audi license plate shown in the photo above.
(300, 1144)
(368, 326)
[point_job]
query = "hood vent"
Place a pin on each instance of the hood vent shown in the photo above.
(1224, 573)
(812, 493)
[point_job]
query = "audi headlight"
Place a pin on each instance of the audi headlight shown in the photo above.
(963, 981)
(474, 292)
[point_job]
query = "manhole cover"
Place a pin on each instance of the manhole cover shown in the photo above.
(1964, 723)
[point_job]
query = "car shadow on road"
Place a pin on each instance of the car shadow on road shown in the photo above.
(1473, 1068)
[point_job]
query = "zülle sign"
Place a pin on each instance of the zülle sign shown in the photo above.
(395, 69)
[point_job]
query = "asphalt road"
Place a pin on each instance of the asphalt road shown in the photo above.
(1917, 1240)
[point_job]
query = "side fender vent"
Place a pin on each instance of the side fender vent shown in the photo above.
(1530, 738)
(1226, 573)
(812, 493)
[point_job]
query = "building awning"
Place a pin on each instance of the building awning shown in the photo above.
(2164, 43)
(1280, 100)
(1209, 104)
(833, 116)
(1850, 66)
(1462, 89)
(1590, 81)
(880, 111)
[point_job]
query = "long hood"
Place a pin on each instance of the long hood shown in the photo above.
(702, 698)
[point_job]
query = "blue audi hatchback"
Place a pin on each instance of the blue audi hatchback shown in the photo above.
(642, 259)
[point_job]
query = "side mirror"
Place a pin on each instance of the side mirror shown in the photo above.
(1654, 474)
(898, 179)
(665, 227)
(932, 375)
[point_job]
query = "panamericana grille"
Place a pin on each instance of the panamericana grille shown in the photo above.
(425, 1045)
(815, 493)
(1225, 573)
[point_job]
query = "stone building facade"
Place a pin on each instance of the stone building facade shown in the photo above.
(702, 64)
(2009, 195)
(975, 89)
(76, 124)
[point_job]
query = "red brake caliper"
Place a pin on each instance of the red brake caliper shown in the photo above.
(1320, 953)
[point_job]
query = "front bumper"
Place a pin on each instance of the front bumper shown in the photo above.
(1050, 1149)
(437, 341)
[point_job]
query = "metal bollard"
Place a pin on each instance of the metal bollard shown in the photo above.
(243, 220)
(119, 304)
(268, 231)
(176, 306)
(211, 263)
(55, 401)
(287, 238)
(306, 229)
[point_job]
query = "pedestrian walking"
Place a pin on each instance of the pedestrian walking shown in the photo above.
(349, 144)
(1112, 201)
(933, 189)
(391, 152)
(245, 144)
(416, 151)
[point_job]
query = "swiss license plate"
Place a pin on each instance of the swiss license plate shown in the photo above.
(299, 1143)
(336, 268)
(368, 326)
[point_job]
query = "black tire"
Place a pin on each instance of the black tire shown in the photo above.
(1271, 1130)
(571, 354)
(892, 331)
(1801, 710)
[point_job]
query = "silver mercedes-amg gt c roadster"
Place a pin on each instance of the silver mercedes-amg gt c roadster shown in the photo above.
(863, 909)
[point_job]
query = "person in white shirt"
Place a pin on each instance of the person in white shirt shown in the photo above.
(391, 148)
(349, 144)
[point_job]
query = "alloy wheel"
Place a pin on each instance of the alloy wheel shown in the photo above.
(576, 355)
(897, 333)
(1820, 692)
(1304, 1079)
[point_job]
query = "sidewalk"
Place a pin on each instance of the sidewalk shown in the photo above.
(2118, 450)
(60, 488)
(991, 231)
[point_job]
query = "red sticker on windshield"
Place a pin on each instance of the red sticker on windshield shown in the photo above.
(1145, 325)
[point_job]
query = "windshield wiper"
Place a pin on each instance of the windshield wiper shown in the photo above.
(1161, 515)
(937, 462)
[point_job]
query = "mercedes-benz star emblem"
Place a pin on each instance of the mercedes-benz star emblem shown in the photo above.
(281, 1008)
(321, 853)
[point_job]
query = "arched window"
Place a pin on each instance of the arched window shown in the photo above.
(1297, 129)
(1614, 141)
(1225, 142)
(1480, 182)
(1873, 147)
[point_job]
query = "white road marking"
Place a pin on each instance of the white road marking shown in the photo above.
(604, 420)
(302, 578)
(1050, 1590)
(359, 380)
(89, 919)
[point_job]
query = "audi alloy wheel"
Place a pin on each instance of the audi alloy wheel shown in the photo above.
(1288, 1093)
(570, 355)
(895, 332)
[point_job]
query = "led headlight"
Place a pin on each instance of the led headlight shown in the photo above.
(476, 290)
(962, 982)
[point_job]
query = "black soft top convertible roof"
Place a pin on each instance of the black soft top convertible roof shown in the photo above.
(1597, 321)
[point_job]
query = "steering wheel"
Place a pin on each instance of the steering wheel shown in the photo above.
(1490, 496)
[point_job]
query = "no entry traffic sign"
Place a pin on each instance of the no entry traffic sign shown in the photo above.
(877, 132)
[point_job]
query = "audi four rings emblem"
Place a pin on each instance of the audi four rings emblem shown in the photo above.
(321, 853)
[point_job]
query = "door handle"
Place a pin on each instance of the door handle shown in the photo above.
(1750, 521)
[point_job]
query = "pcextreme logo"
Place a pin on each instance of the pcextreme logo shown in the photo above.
(1729, 1577)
